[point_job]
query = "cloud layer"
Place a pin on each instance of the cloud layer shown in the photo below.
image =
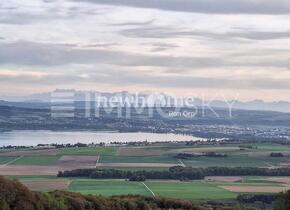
(184, 46)
(207, 6)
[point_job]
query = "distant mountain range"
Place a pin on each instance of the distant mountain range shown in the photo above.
(43, 100)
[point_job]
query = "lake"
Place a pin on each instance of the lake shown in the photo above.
(32, 138)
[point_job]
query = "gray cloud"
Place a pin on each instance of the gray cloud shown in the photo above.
(23, 18)
(102, 45)
(149, 22)
(259, 35)
(161, 44)
(207, 6)
(203, 82)
(48, 79)
(26, 15)
(19, 15)
(123, 77)
(40, 54)
(169, 32)
(17, 19)
(262, 52)
(29, 53)
(159, 47)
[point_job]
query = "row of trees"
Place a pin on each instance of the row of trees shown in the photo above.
(176, 172)
(276, 154)
(194, 155)
(264, 198)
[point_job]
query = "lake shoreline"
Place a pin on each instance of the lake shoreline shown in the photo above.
(35, 137)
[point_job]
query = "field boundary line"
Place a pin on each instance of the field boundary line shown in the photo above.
(181, 163)
(269, 164)
(12, 161)
(98, 159)
(148, 189)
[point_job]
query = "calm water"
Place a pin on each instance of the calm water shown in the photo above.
(31, 138)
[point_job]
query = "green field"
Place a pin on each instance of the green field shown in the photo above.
(37, 160)
(142, 159)
(88, 151)
(110, 187)
(194, 190)
(235, 161)
(189, 190)
(272, 147)
(4, 160)
(259, 157)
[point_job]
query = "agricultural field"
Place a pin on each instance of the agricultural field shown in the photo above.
(36, 160)
(108, 187)
(189, 191)
(195, 190)
(39, 168)
(222, 188)
(5, 160)
(156, 157)
(143, 159)
(111, 151)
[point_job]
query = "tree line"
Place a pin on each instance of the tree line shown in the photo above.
(176, 173)
(195, 155)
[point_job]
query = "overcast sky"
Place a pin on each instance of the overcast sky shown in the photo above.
(232, 48)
